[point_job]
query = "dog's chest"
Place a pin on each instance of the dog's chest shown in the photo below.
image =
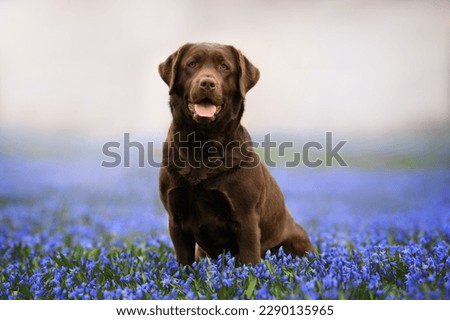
(198, 165)
(209, 208)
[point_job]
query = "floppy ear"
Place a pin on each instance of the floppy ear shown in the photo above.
(248, 73)
(168, 69)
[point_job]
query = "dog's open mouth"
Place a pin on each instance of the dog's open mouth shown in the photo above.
(204, 109)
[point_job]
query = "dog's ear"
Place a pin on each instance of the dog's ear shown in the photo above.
(168, 69)
(248, 73)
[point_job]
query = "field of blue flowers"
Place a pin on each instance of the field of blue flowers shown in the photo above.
(71, 229)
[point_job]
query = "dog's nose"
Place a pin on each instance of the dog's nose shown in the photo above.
(208, 84)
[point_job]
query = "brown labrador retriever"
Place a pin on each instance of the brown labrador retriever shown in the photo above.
(218, 194)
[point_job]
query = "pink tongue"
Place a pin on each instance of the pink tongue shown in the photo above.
(205, 110)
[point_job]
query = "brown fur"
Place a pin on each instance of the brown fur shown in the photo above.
(218, 194)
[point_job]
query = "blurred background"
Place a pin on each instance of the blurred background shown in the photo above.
(77, 74)
(351, 66)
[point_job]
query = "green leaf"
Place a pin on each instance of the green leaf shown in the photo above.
(250, 291)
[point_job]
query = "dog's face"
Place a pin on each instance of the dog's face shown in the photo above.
(208, 82)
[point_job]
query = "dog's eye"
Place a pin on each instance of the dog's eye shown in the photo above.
(192, 64)
(223, 66)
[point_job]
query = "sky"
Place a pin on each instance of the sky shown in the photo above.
(350, 66)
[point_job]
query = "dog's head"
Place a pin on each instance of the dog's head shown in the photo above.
(208, 82)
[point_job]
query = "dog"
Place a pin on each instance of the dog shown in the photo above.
(219, 196)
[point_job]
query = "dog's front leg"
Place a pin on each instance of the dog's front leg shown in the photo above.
(249, 240)
(183, 242)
